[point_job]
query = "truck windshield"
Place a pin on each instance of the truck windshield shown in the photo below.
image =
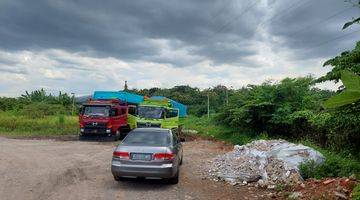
(151, 112)
(97, 111)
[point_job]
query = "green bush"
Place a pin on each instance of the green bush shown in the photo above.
(292, 109)
(356, 192)
(335, 165)
(308, 169)
(42, 109)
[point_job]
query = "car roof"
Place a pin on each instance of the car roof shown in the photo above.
(151, 130)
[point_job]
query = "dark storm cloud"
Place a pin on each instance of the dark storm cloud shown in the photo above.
(221, 31)
(309, 29)
(122, 28)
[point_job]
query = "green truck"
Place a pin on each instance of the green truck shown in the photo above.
(157, 113)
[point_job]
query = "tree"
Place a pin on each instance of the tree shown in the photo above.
(350, 95)
(348, 60)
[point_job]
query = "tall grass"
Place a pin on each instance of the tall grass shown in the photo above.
(13, 124)
(209, 127)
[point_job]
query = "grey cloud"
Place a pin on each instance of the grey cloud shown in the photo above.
(13, 70)
(306, 29)
(67, 64)
(219, 30)
(121, 28)
(7, 61)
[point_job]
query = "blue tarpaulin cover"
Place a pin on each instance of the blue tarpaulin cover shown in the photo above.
(182, 108)
(121, 95)
(136, 99)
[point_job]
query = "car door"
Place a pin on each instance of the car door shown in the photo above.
(177, 147)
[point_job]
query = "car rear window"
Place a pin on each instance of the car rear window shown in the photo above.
(148, 138)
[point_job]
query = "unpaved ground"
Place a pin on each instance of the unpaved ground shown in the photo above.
(49, 169)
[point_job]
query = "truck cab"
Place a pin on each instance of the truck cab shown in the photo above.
(106, 117)
(157, 113)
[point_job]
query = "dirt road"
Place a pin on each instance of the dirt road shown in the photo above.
(48, 169)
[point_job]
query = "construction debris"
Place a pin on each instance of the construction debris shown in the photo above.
(335, 188)
(267, 162)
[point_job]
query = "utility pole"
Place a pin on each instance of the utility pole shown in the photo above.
(227, 96)
(73, 103)
(208, 105)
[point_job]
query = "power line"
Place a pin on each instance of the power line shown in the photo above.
(295, 5)
(218, 12)
(247, 9)
(281, 13)
(334, 39)
(233, 20)
(321, 21)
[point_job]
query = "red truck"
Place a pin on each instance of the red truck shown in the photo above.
(106, 117)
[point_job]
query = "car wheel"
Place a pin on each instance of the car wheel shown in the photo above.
(118, 178)
(181, 161)
(175, 179)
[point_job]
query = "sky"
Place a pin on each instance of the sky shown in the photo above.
(80, 46)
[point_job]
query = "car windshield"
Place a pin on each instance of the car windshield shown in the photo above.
(151, 112)
(148, 138)
(97, 111)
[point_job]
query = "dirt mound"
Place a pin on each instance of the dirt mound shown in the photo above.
(329, 188)
(267, 162)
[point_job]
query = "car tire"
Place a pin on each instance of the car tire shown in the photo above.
(118, 178)
(174, 180)
(181, 161)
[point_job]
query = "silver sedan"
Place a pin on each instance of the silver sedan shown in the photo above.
(148, 152)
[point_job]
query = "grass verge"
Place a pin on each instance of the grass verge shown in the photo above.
(207, 127)
(13, 125)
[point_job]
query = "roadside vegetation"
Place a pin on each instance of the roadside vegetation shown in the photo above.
(37, 114)
(337, 164)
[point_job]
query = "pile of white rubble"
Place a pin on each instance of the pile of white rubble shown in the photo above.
(267, 162)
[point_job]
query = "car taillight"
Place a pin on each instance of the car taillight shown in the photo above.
(163, 156)
(121, 154)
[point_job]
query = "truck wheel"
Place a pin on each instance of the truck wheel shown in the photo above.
(123, 133)
(82, 137)
(117, 135)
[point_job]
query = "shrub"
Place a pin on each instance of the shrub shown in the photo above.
(356, 192)
(335, 165)
(41, 109)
